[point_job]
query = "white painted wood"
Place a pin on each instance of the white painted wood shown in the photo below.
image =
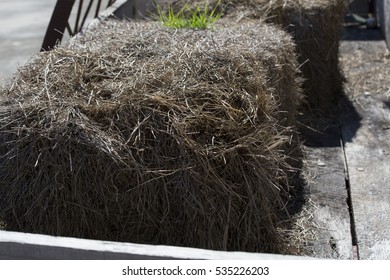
(16, 245)
(120, 9)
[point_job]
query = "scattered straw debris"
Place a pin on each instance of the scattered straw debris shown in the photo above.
(366, 66)
(302, 234)
(139, 133)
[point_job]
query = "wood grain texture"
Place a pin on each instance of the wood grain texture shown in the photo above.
(324, 168)
(368, 158)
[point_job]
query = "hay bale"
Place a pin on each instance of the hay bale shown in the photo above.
(315, 26)
(144, 134)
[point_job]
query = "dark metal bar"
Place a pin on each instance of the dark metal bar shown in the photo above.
(86, 14)
(110, 2)
(69, 29)
(59, 21)
(57, 25)
(76, 27)
(98, 8)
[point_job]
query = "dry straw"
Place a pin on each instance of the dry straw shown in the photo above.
(145, 134)
(315, 26)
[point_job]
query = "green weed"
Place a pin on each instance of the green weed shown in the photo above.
(187, 17)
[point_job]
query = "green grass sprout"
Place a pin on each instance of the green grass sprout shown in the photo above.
(187, 17)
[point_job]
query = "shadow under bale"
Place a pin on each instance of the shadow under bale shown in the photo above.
(144, 134)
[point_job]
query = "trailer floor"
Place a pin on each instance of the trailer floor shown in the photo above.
(347, 158)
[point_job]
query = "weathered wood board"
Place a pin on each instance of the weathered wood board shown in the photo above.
(368, 159)
(327, 190)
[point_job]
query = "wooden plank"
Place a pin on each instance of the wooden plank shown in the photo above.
(368, 158)
(16, 245)
(324, 169)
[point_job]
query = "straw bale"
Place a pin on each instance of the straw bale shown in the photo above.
(139, 133)
(315, 26)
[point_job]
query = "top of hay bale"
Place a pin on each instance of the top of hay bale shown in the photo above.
(270, 10)
(315, 26)
(145, 53)
(140, 133)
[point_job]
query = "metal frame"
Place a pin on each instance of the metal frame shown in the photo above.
(59, 22)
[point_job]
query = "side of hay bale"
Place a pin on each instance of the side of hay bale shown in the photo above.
(144, 134)
(316, 28)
